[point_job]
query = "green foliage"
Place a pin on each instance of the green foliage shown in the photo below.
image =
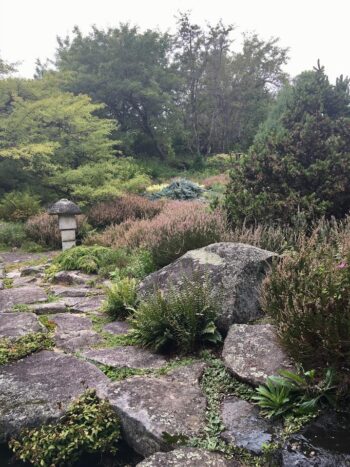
(18, 206)
(308, 296)
(181, 190)
(298, 393)
(90, 425)
(11, 350)
(12, 234)
(300, 164)
(89, 259)
(181, 321)
(121, 298)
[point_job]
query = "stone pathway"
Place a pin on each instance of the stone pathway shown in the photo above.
(40, 386)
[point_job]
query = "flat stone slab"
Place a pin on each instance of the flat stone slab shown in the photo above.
(83, 304)
(76, 341)
(32, 271)
(65, 291)
(24, 281)
(72, 278)
(243, 426)
(126, 357)
(69, 322)
(17, 324)
(21, 296)
(39, 388)
(117, 327)
(74, 332)
(252, 352)
(187, 457)
(234, 271)
(150, 406)
(49, 308)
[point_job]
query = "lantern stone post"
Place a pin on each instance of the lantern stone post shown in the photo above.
(66, 211)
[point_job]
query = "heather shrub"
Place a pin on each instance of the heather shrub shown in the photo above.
(121, 298)
(216, 181)
(121, 209)
(182, 321)
(43, 229)
(18, 206)
(12, 234)
(180, 227)
(308, 297)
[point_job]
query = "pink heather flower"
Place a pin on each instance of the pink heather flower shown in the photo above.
(342, 265)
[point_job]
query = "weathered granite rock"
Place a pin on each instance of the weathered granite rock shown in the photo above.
(24, 281)
(48, 308)
(13, 274)
(14, 325)
(252, 352)
(21, 296)
(38, 389)
(322, 443)
(64, 291)
(72, 278)
(83, 304)
(150, 406)
(235, 272)
(117, 327)
(32, 271)
(187, 457)
(125, 357)
(74, 332)
(243, 426)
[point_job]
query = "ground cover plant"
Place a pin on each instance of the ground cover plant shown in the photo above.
(90, 425)
(179, 321)
(11, 350)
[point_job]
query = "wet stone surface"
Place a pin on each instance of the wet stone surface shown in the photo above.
(243, 426)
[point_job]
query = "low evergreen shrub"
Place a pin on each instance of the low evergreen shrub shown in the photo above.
(18, 206)
(308, 297)
(89, 426)
(180, 190)
(181, 321)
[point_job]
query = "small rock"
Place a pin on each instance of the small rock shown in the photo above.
(117, 327)
(48, 308)
(243, 426)
(234, 271)
(148, 407)
(187, 457)
(21, 296)
(38, 389)
(32, 271)
(17, 324)
(72, 278)
(252, 352)
(126, 357)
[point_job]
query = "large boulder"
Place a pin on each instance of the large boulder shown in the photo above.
(187, 457)
(252, 352)
(148, 407)
(40, 387)
(234, 270)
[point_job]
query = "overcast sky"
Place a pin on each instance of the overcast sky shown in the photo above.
(312, 29)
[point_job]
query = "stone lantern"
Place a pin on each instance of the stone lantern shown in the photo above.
(66, 211)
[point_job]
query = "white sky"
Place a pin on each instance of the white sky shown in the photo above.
(312, 29)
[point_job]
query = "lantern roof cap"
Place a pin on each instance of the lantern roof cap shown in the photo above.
(64, 207)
